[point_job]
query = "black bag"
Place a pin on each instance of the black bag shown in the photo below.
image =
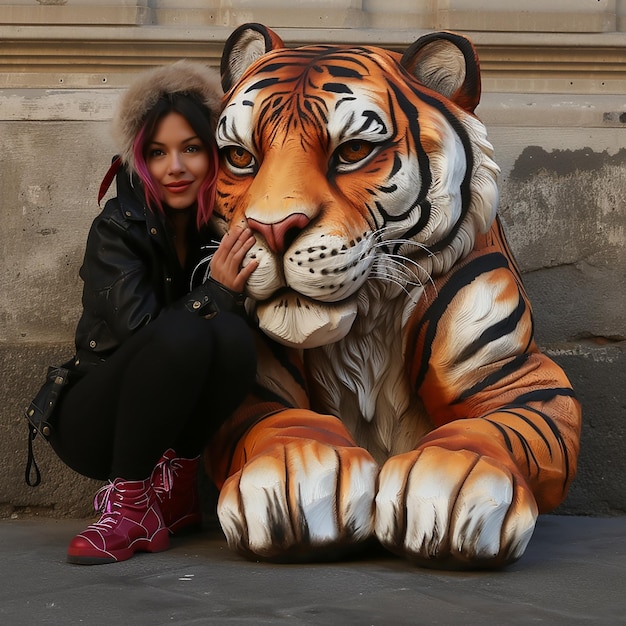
(39, 413)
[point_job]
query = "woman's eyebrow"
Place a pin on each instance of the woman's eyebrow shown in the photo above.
(159, 143)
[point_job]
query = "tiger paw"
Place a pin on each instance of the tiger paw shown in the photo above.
(453, 509)
(300, 501)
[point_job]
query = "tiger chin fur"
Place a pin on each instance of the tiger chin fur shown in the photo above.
(361, 378)
(400, 392)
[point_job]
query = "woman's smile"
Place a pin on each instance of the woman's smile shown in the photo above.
(180, 186)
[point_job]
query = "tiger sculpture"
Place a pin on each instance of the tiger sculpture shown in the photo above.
(400, 394)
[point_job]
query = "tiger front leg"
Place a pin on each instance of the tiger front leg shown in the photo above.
(306, 491)
(454, 509)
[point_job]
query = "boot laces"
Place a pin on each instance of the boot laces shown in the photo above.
(168, 468)
(102, 500)
(108, 502)
(103, 503)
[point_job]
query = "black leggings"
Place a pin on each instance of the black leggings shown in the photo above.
(170, 385)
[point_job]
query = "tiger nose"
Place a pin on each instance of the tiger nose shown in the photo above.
(279, 235)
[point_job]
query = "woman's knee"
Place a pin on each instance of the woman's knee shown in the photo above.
(223, 344)
(182, 338)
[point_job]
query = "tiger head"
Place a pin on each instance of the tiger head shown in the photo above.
(359, 170)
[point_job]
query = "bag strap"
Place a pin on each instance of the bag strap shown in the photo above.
(31, 464)
(108, 177)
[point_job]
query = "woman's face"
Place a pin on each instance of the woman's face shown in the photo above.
(177, 161)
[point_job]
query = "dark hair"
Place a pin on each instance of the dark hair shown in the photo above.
(199, 118)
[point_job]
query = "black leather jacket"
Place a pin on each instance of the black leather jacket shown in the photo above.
(131, 274)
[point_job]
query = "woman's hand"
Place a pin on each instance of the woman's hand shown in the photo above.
(226, 262)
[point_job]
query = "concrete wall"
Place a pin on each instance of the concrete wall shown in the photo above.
(553, 85)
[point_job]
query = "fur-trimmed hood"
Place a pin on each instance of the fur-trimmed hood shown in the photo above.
(144, 92)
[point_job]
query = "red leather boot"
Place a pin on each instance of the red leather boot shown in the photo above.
(175, 482)
(131, 521)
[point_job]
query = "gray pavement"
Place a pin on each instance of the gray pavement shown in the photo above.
(573, 571)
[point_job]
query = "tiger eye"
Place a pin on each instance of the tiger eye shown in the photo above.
(354, 151)
(238, 157)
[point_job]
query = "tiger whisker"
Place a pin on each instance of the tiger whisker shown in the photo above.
(420, 269)
(403, 260)
(401, 275)
(379, 276)
(403, 272)
(205, 260)
(383, 244)
(402, 242)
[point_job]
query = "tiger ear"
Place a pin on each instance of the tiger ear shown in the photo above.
(245, 45)
(448, 64)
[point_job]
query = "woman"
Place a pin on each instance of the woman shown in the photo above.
(158, 367)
